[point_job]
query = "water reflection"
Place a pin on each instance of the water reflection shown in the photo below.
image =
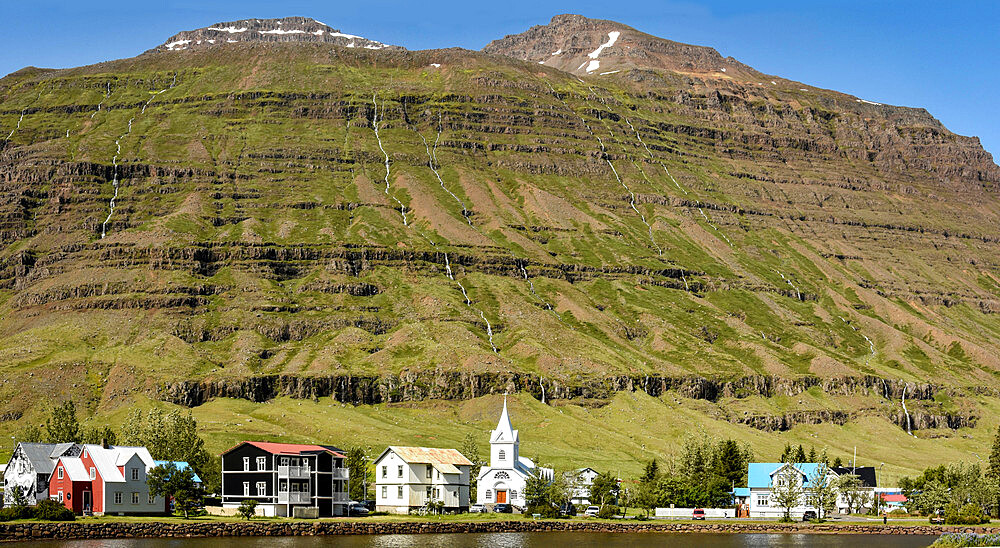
(516, 540)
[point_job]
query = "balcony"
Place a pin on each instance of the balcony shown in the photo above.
(294, 472)
(285, 497)
(341, 473)
(341, 497)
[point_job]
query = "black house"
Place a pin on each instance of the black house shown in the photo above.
(865, 473)
(284, 476)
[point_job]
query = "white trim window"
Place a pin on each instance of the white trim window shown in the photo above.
(261, 488)
(135, 498)
(399, 471)
(399, 492)
(763, 500)
(135, 474)
(152, 499)
(502, 455)
(385, 471)
(246, 464)
(60, 496)
(93, 473)
(246, 488)
(489, 494)
(118, 497)
(261, 463)
(60, 477)
(385, 492)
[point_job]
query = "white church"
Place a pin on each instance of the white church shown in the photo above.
(504, 479)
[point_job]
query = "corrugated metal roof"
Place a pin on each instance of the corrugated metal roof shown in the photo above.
(447, 468)
(289, 448)
(38, 455)
(75, 469)
(431, 455)
(741, 492)
(894, 498)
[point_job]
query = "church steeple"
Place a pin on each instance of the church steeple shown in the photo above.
(504, 442)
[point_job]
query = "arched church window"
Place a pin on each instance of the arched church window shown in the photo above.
(502, 455)
(513, 494)
(502, 476)
(489, 494)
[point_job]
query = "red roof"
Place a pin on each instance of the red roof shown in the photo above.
(894, 498)
(289, 448)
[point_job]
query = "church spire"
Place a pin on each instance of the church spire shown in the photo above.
(504, 431)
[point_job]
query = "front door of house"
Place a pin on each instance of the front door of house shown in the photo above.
(86, 501)
(501, 497)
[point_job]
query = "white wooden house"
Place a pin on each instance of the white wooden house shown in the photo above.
(406, 478)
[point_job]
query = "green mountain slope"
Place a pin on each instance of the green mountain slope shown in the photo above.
(263, 219)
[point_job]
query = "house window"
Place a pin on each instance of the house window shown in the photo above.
(437, 493)
(246, 464)
(118, 498)
(60, 496)
(513, 494)
(385, 492)
(428, 492)
(262, 463)
(438, 474)
(502, 455)
(150, 499)
(60, 475)
(762, 500)
(430, 470)
(135, 474)
(246, 488)
(93, 473)
(284, 461)
(135, 497)
(489, 494)
(261, 488)
(399, 492)
(399, 471)
(385, 471)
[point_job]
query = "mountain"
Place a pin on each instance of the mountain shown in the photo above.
(308, 241)
(583, 46)
(286, 29)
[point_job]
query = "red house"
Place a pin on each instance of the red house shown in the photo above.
(105, 480)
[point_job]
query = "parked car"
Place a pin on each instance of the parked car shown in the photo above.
(502, 509)
(369, 504)
(592, 511)
(809, 515)
(478, 509)
(699, 513)
(357, 509)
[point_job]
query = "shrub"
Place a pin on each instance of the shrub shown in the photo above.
(16, 512)
(608, 511)
(247, 509)
(50, 510)
(961, 540)
(544, 510)
(970, 514)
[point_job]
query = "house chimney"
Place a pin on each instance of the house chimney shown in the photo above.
(104, 443)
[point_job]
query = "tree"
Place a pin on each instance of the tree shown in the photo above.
(800, 455)
(822, 494)
(931, 499)
(247, 509)
(100, 434)
(604, 489)
(357, 470)
(812, 454)
(172, 436)
(168, 481)
(29, 434)
(651, 472)
(787, 454)
(18, 498)
(787, 490)
(851, 488)
(994, 468)
(470, 448)
(62, 426)
(559, 491)
(646, 496)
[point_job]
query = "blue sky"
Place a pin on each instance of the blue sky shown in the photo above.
(943, 56)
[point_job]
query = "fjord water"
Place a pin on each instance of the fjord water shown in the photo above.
(516, 540)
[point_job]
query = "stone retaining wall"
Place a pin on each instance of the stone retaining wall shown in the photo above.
(180, 529)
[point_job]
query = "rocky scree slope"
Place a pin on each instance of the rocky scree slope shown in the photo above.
(200, 222)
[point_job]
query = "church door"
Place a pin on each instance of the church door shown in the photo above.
(501, 497)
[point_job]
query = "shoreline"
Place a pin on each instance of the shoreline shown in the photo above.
(12, 532)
